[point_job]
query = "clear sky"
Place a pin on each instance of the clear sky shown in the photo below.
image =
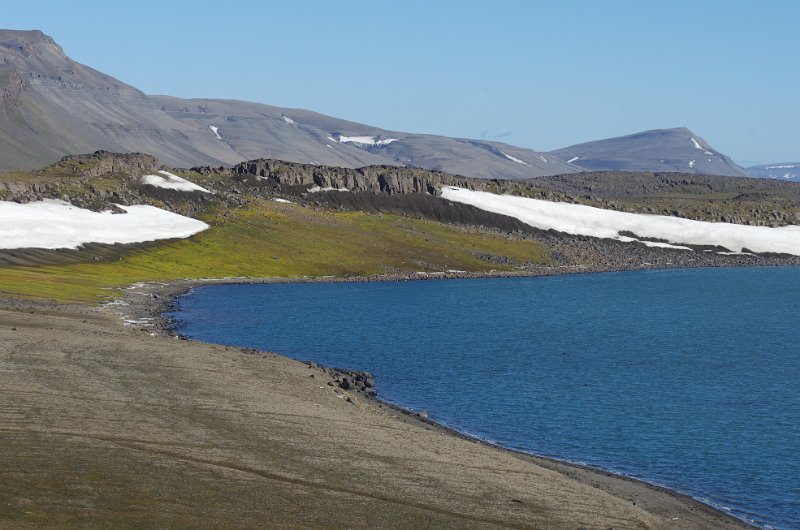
(541, 75)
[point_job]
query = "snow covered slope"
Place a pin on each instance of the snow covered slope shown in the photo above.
(583, 220)
(56, 224)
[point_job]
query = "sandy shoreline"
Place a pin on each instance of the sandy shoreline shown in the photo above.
(147, 303)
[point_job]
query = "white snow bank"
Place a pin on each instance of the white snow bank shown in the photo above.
(700, 147)
(517, 160)
(691, 163)
(317, 189)
(781, 167)
(573, 159)
(578, 219)
(215, 130)
(288, 120)
(365, 140)
(284, 201)
(172, 182)
(57, 224)
(332, 139)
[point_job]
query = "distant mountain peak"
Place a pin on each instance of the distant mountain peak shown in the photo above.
(25, 44)
(678, 149)
(786, 171)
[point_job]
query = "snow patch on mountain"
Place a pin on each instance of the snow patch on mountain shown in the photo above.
(288, 120)
(52, 224)
(583, 220)
(700, 147)
(513, 159)
(215, 130)
(172, 182)
(366, 140)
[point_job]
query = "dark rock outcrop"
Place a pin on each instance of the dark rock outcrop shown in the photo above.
(374, 179)
(102, 163)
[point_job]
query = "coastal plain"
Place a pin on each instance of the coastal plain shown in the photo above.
(113, 425)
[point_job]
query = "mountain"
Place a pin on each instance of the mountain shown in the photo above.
(51, 106)
(676, 149)
(788, 171)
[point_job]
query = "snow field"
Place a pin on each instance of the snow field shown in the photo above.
(578, 219)
(52, 224)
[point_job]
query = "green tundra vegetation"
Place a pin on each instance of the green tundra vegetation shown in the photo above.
(270, 239)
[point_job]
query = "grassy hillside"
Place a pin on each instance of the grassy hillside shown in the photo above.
(270, 239)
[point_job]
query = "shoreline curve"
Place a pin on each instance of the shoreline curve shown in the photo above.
(167, 293)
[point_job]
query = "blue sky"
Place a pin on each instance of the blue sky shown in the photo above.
(541, 75)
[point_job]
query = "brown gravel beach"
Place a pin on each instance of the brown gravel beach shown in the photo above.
(106, 425)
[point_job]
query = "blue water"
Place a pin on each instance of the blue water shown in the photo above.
(685, 378)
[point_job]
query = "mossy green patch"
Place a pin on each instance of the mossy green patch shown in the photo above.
(269, 239)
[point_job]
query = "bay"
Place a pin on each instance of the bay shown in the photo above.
(685, 378)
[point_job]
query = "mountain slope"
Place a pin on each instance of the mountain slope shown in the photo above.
(676, 149)
(51, 106)
(788, 171)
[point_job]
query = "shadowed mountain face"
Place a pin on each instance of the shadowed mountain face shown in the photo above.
(51, 106)
(657, 150)
(788, 171)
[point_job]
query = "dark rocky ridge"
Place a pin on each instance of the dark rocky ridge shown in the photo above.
(102, 163)
(702, 197)
(102, 179)
(373, 179)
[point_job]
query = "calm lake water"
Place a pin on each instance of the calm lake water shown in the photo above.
(685, 378)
